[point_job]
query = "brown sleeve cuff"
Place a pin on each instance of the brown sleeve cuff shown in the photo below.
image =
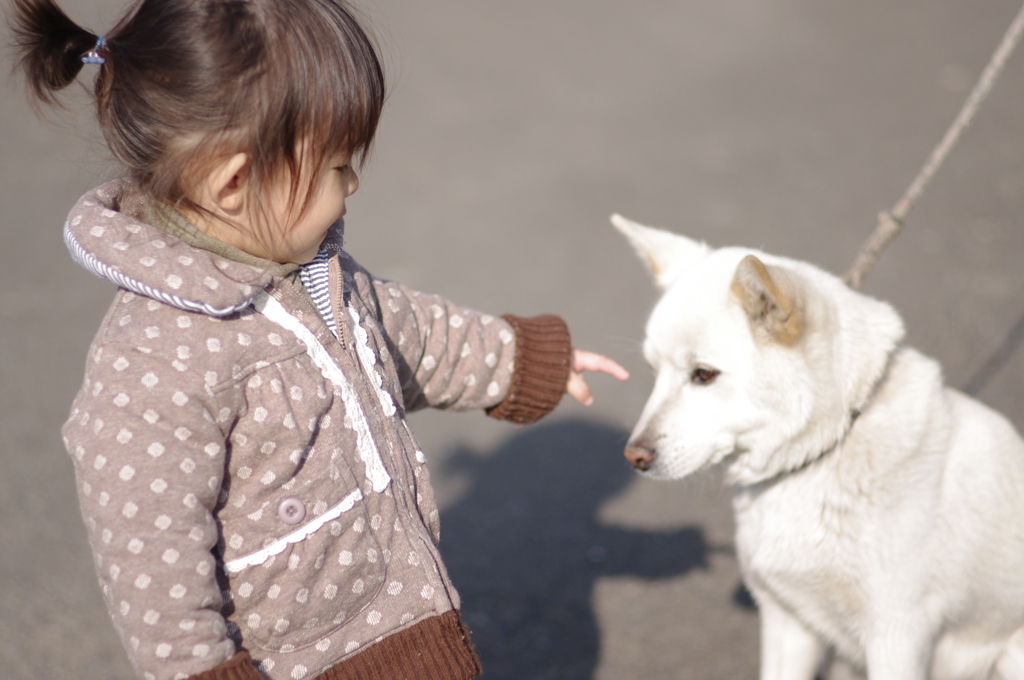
(543, 358)
(238, 667)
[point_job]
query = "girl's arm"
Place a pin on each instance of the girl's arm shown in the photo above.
(149, 461)
(455, 358)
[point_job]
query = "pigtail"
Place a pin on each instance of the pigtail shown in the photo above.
(50, 46)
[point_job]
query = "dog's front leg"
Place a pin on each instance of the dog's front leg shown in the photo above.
(789, 651)
(900, 650)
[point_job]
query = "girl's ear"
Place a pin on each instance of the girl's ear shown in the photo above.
(226, 187)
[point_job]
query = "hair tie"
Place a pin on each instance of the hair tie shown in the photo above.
(93, 55)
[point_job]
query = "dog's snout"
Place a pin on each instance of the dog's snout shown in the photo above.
(640, 455)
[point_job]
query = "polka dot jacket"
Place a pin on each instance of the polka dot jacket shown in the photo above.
(255, 501)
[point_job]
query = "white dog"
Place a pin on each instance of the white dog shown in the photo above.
(879, 514)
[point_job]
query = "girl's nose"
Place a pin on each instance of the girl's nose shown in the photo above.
(353, 182)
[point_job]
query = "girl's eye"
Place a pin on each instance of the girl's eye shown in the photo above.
(342, 168)
(703, 376)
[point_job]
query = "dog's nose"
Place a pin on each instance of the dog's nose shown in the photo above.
(640, 455)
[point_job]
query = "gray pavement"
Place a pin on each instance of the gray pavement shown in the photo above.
(512, 132)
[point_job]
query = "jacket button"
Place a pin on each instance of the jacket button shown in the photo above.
(291, 511)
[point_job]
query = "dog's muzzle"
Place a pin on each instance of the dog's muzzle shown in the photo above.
(640, 455)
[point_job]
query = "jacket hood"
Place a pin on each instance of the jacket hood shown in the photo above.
(105, 234)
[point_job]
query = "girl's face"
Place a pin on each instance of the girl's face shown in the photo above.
(298, 241)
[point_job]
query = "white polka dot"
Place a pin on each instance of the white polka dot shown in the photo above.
(125, 608)
(491, 360)
(114, 571)
(107, 536)
(163, 522)
(213, 345)
(253, 621)
(268, 478)
(156, 449)
(170, 556)
(429, 362)
(121, 400)
(427, 592)
(182, 433)
(299, 671)
(330, 591)
(200, 650)
(260, 414)
(150, 380)
(152, 332)
(211, 283)
(323, 645)
(99, 462)
(345, 558)
(179, 398)
(456, 321)
(351, 646)
(274, 591)
(374, 617)
(121, 364)
(135, 546)
(143, 581)
(152, 617)
(104, 499)
(184, 322)
(188, 466)
(179, 591)
(163, 650)
(466, 350)
(126, 473)
(493, 389)
(395, 588)
(275, 339)
(282, 625)
(358, 587)
(302, 596)
(469, 380)
(129, 509)
(236, 541)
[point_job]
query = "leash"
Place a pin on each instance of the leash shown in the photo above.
(890, 222)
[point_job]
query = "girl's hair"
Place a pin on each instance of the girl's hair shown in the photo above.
(184, 82)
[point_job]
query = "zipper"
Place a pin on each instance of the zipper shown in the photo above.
(336, 287)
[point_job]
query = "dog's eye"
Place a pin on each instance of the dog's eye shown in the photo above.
(703, 376)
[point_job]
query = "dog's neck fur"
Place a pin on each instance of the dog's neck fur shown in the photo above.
(853, 415)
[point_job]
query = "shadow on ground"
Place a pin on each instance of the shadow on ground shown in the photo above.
(524, 547)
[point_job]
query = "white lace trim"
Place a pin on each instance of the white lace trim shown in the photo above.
(368, 452)
(278, 546)
(369, 360)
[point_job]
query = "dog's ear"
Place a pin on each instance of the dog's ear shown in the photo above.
(660, 250)
(770, 299)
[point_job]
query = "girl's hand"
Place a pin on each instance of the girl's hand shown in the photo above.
(589, 361)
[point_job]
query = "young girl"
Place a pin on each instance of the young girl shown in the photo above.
(255, 501)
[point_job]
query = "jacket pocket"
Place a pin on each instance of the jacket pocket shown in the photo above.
(307, 584)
